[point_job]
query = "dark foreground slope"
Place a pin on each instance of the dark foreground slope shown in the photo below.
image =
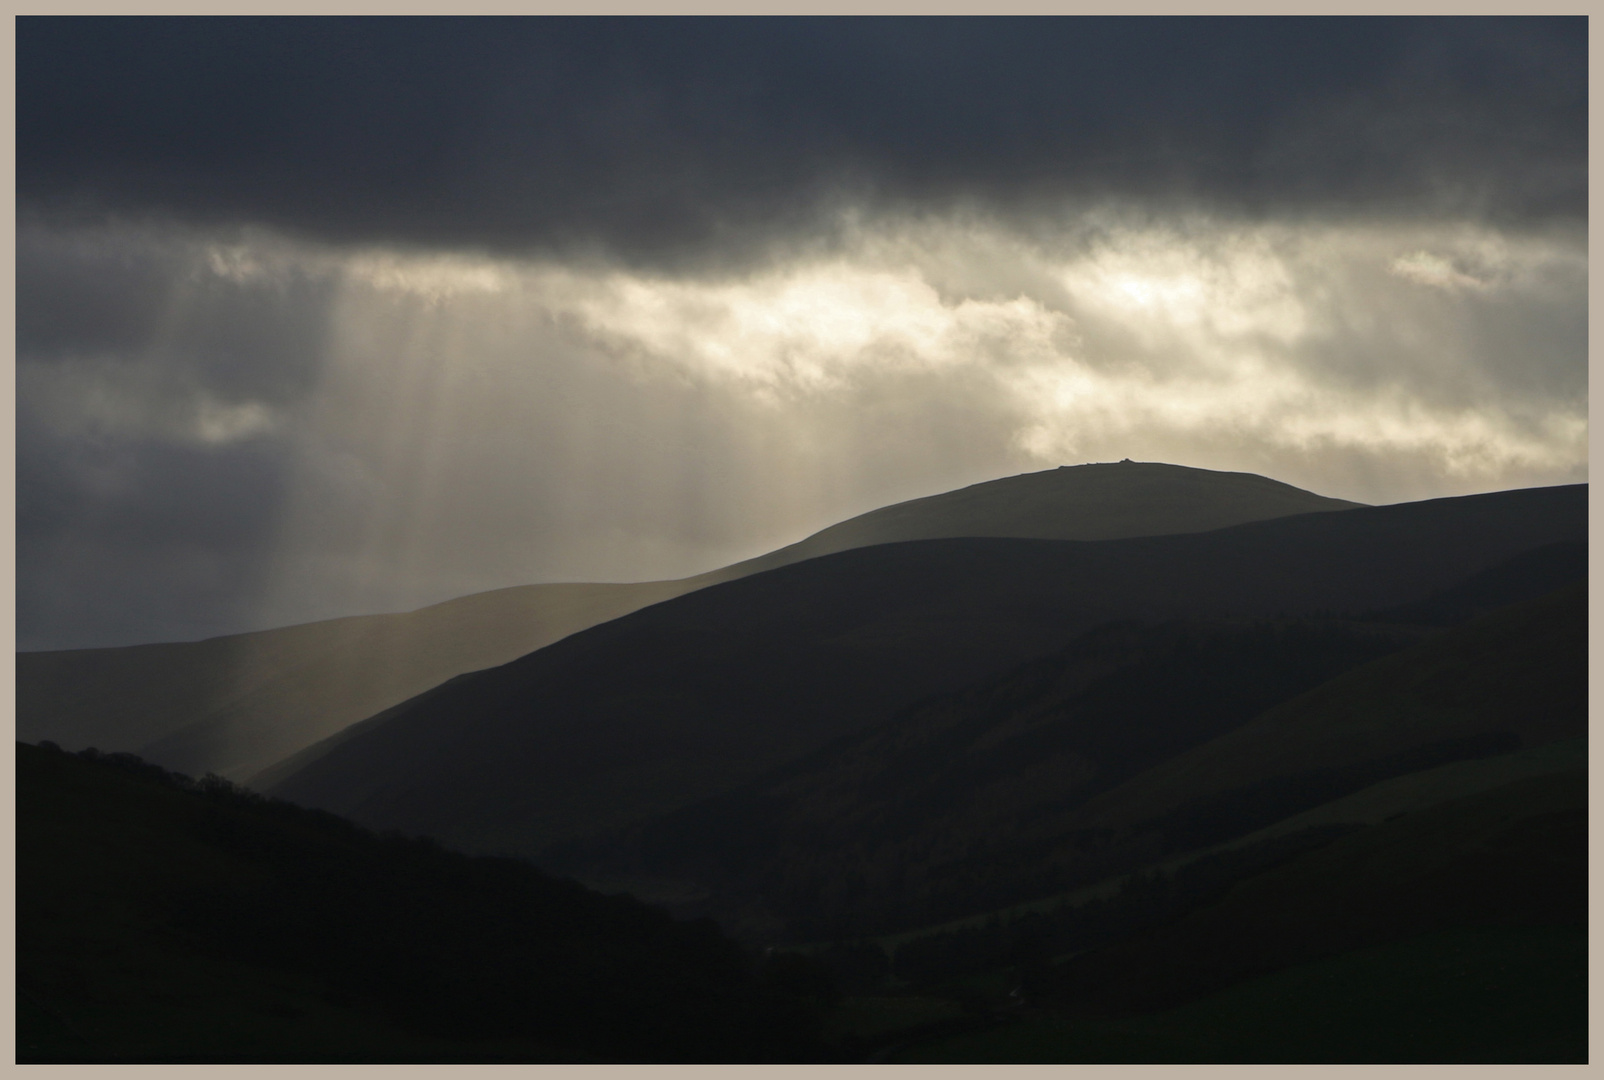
(234, 705)
(705, 692)
(163, 921)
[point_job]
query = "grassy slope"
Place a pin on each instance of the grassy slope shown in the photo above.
(1521, 669)
(1428, 787)
(920, 817)
(1369, 806)
(1514, 856)
(1451, 934)
(1467, 892)
(676, 702)
(968, 798)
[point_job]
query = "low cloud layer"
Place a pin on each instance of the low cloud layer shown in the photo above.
(242, 429)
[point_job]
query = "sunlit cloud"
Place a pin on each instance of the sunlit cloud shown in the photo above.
(1227, 286)
(531, 300)
(433, 424)
(1200, 333)
(434, 279)
(1276, 412)
(1428, 269)
(804, 328)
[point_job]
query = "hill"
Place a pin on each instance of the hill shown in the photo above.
(163, 921)
(929, 816)
(235, 705)
(1072, 502)
(701, 694)
(1132, 745)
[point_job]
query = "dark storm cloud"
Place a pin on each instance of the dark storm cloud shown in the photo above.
(81, 300)
(655, 139)
(120, 300)
(136, 540)
(143, 493)
(154, 398)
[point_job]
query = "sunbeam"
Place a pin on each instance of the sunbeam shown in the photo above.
(448, 423)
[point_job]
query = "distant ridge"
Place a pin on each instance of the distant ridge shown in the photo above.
(235, 705)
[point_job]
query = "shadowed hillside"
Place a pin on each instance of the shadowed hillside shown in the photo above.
(1133, 745)
(160, 920)
(1514, 855)
(936, 813)
(1456, 933)
(234, 705)
(1389, 867)
(1305, 789)
(703, 693)
(1515, 677)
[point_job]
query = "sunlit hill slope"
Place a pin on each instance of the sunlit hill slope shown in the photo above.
(235, 705)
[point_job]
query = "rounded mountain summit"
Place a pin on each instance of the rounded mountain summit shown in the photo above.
(1073, 502)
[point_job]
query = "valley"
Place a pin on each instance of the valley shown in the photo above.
(989, 797)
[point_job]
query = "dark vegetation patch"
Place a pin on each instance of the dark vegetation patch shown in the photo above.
(1144, 900)
(137, 886)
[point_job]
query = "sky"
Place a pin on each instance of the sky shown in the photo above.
(337, 316)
